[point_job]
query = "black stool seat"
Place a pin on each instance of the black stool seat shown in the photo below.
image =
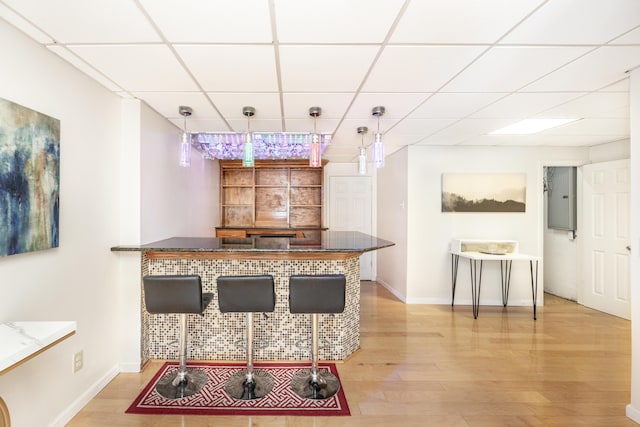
(181, 294)
(247, 294)
(314, 295)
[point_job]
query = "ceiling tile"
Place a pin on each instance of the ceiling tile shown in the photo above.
(454, 105)
(594, 105)
(81, 65)
(419, 127)
(397, 105)
(202, 125)
(24, 25)
(257, 125)
(577, 22)
(506, 69)
(591, 126)
(88, 21)
(418, 68)
(632, 37)
(230, 105)
(242, 68)
(324, 68)
(296, 105)
(599, 68)
(335, 21)
(167, 103)
(619, 86)
(460, 21)
(521, 105)
(206, 21)
(138, 67)
(306, 125)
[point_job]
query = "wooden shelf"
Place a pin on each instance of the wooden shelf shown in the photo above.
(272, 194)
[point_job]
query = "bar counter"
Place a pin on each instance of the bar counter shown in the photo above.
(279, 335)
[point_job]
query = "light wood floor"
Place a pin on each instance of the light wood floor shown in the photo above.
(429, 365)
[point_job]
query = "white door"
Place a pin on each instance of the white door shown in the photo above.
(606, 237)
(350, 210)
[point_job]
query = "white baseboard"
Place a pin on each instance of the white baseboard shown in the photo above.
(633, 413)
(392, 290)
(85, 398)
(130, 367)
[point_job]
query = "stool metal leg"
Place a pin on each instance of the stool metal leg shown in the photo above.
(182, 382)
(313, 383)
(249, 384)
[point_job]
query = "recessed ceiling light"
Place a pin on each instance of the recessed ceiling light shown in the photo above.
(531, 126)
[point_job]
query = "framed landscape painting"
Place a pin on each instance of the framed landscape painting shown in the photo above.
(29, 179)
(492, 192)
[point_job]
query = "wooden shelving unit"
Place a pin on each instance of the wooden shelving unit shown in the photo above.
(272, 195)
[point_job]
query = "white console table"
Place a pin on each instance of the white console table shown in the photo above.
(23, 340)
(478, 251)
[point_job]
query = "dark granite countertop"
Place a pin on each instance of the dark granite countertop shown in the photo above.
(329, 241)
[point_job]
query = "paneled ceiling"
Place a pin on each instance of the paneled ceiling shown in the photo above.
(448, 72)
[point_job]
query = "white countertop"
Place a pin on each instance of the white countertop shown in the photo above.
(494, 257)
(20, 341)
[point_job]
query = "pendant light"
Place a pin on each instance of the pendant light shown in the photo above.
(315, 160)
(362, 157)
(185, 143)
(247, 159)
(378, 147)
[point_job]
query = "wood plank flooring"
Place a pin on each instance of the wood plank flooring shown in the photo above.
(431, 365)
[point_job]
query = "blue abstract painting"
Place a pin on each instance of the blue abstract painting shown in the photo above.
(29, 179)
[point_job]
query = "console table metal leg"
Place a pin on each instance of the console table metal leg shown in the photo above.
(476, 281)
(505, 278)
(534, 285)
(454, 276)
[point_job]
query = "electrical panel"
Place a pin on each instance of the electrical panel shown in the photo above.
(560, 185)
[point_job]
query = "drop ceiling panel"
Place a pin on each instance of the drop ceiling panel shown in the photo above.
(577, 22)
(597, 104)
(521, 105)
(599, 68)
(138, 67)
(539, 140)
(74, 21)
(335, 21)
(306, 125)
(243, 68)
(418, 68)
(506, 69)
(454, 105)
(397, 105)
(201, 125)
(632, 37)
(230, 105)
(206, 21)
(167, 103)
(257, 125)
(460, 21)
(296, 105)
(420, 127)
(324, 68)
(591, 126)
(348, 130)
(468, 128)
(81, 65)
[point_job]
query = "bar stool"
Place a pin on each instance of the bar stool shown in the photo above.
(247, 294)
(181, 295)
(314, 295)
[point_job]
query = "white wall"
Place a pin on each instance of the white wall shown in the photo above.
(429, 231)
(633, 409)
(392, 206)
(119, 184)
(77, 281)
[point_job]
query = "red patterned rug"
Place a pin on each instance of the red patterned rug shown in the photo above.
(214, 400)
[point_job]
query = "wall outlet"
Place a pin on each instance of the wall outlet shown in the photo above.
(77, 361)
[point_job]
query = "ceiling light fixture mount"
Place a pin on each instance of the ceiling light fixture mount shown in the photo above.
(185, 143)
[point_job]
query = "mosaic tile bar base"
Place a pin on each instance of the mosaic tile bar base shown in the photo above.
(278, 336)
